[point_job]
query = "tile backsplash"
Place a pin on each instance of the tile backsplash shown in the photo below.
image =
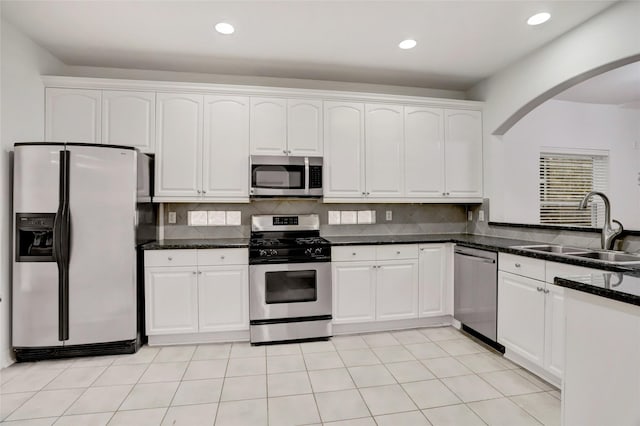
(406, 218)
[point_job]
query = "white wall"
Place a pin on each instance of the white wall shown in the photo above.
(609, 39)
(563, 124)
(22, 118)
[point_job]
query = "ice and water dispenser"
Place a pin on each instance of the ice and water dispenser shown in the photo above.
(34, 237)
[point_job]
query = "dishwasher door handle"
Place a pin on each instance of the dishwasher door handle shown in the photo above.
(476, 258)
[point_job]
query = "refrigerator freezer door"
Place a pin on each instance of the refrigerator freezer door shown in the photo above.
(35, 284)
(102, 271)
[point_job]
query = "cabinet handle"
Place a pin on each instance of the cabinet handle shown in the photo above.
(546, 291)
(364, 193)
(170, 258)
(284, 151)
(199, 192)
(289, 152)
(204, 192)
(368, 193)
(397, 252)
(221, 257)
(540, 289)
(199, 272)
(517, 265)
(193, 272)
(353, 254)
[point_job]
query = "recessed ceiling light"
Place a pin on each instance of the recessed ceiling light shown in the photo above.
(407, 44)
(539, 18)
(224, 28)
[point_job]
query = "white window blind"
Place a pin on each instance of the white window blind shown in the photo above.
(565, 178)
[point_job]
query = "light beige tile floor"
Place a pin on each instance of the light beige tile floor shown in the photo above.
(430, 376)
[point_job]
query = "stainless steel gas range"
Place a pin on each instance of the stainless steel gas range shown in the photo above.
(289, 279)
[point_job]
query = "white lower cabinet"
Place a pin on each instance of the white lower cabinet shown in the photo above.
(354, 292)
(171, 300)
(531, 319)
(196, 291)
(389, 282)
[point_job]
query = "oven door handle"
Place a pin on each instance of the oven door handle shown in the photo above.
(306, 175)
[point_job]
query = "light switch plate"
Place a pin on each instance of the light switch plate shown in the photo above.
(172, 217)
(348, 217)
(389, 215)
(481, 215)
(234, 218)
(469, 215)
(197, 218)
(334, 217)
(216, 218)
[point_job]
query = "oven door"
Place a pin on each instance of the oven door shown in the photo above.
(289, 290)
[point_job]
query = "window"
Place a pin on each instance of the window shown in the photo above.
(565, 178)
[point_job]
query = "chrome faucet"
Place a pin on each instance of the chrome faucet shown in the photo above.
(608, 233)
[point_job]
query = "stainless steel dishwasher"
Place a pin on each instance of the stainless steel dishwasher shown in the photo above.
(476, 293)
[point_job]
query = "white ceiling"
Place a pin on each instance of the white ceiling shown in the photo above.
(620, 86)
(459, 42)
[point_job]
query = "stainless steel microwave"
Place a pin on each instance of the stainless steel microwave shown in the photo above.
(286, 176)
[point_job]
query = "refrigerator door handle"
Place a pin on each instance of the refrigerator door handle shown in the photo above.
(61, 246)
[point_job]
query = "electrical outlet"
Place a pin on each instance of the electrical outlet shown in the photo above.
(469, 216)
(481, 215)
(389, 215)
(172, 217)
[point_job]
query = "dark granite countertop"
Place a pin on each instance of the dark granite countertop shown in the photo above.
(620, 286)
(197, 244)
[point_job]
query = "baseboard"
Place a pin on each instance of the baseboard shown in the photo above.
(533, 368)
(395, 325)
(199, 338)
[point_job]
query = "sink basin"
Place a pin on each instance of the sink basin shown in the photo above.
(610, 257)
(552, 248)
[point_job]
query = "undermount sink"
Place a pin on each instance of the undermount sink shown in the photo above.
(552, 248)
(611, 257)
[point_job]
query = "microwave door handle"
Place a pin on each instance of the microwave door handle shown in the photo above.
(306, 175)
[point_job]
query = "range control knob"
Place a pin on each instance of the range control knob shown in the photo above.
(308, 252)
(318, 251)
(273, 252)
(262, 253)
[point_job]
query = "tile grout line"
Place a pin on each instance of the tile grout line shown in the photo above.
(179, 383)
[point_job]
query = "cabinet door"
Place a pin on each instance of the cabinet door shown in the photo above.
(435, 281)
(225, 171)
(304, 127)
(73, 115)
(424, 152)
(178, 153)
(463, 153)
(129, 118)
(397, 290)
(521, 316)
(268, 126)
(223, 298)
(171, 300)
(354, 297)
(384, 151)
(344, 173)
(554, 330)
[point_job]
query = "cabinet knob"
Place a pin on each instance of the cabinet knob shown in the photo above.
(546, 291)
(540, 289)
(289, 152)
(284, 151)
(517, 265)
(222, 257)
(204, 192)
(353, 254)
(397, 252)
(364, 193)
(193, 272)
(199, 192)
(199, 272)
(368, 193)
(170, 258)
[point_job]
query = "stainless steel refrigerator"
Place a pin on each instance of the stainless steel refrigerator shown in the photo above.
(79, 212)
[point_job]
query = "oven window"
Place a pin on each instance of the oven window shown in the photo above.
(279, 177)
(291, 286)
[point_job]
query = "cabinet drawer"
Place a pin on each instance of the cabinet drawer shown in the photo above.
(555, 269)
(520, 265)
(210, 257)
(397, 251)
(170, 258)
(355, 253)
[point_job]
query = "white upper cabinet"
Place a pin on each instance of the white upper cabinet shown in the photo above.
(129, 118)
(384, 151)
(304, 127)
(344, 169)
(225, 159)
(268, 126)
(463, 153)
(73, 115)
(286, 126)
(424, 152)
(179, 132)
